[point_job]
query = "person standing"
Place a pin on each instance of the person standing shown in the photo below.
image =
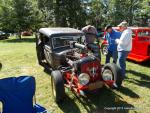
(111, 36)
(124, 46)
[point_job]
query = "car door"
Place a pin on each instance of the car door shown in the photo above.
(143, 39)
(47, 50)
(39, 48)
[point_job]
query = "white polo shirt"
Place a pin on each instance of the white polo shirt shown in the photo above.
(125, 41)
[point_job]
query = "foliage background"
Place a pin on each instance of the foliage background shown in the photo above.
(20, 15)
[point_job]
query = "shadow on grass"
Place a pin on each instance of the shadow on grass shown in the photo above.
(69, 106)
(144, 79)
(102, 101)
(29, 40)
(145, 64)
(128, 92)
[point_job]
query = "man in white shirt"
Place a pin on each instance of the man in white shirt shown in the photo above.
(124, 46)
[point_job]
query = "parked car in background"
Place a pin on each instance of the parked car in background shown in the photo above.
(3, 35)
(27, 33)
(141, 44)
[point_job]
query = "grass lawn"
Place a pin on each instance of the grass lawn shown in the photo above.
(19, 58)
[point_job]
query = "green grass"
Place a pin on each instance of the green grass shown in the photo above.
(19, 58)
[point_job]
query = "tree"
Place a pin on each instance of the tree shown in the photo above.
(6, 14)
(46, 12)
(98, 13)
(19, 15)
(115, 11)
(69, 13)
(143, 13)
(23, 15)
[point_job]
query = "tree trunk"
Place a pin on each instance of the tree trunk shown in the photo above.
(19, 35)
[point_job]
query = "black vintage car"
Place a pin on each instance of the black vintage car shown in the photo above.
(71, 64)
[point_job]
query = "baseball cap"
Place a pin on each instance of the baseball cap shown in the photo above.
(123, 24)
(108, 27)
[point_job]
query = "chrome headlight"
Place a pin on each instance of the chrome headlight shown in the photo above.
(107, 75)
(84, 78)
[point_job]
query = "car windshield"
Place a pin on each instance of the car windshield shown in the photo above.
(63, 41)
(144, 34)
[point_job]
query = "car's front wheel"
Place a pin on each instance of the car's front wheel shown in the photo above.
(57, 84)
(111, 74)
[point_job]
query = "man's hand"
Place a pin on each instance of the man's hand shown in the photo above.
(117, 41)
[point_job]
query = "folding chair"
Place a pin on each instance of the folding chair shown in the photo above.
(16, 95)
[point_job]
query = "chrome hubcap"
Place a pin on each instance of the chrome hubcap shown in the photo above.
(107, 75)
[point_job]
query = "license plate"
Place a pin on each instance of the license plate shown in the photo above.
(95, 85)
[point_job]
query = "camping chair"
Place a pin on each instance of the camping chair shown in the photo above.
(16, 95)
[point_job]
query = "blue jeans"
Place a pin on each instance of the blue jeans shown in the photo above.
(122, 55)
(112, 54)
